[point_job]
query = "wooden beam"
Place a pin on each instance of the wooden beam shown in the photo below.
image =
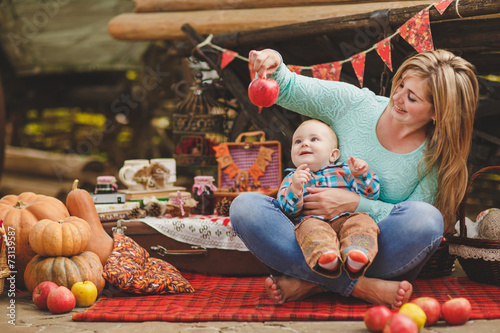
(167, 26)
(149, 6)
(397, 17)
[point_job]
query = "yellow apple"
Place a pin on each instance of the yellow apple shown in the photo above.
(85, 293)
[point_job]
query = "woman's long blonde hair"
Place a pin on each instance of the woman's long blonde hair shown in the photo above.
(454, 91)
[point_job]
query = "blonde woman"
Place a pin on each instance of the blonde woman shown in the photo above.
(417, 142)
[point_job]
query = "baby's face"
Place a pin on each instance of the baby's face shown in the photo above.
(313, 144)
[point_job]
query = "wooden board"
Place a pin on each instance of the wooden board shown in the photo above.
(189, 5)
(167, 25)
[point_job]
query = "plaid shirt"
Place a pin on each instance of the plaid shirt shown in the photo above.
(331, 176)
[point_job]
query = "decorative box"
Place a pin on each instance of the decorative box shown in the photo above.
(248, 166)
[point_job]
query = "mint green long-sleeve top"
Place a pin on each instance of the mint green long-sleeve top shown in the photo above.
(353, 114)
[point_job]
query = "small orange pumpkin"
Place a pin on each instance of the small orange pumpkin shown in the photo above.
(66, 237)
(20, 213)
(65, 271)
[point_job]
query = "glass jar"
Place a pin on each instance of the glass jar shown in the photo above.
(106, 184)
(203, 192)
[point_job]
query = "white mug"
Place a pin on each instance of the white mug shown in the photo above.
(135, 174)
(163, 172)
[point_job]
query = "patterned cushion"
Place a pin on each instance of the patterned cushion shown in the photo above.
(130, 269)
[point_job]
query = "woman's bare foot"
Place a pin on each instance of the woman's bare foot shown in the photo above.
(390, 293)
(286, 288)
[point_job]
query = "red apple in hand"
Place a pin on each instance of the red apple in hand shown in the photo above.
(263, 92)
(400, 323)
(376, 317)
(431, 307)
(61, 300)
(41, 293)
(456, 311)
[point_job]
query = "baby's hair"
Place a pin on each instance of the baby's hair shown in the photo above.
(332, 132)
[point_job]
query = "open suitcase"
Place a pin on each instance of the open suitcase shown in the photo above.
(189, 257)
(207, 243)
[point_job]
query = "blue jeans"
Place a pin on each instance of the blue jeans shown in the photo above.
(408, 237)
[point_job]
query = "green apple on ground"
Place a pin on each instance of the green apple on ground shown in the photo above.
(415, 312)
(85, 293)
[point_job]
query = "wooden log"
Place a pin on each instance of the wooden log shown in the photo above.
(149, 6)
(52, 165)
(397, 17)
(167, 26)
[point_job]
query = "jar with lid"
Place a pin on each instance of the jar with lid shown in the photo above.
(203, 192)
(106, 184)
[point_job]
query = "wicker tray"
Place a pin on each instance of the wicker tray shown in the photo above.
(471, 251)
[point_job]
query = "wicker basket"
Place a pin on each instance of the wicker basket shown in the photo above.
(441, 263)
(4, 267)
(480, 258)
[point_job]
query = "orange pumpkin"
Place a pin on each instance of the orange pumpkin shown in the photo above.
(80, 204)
(66, 237)
(64, 271)
(20, 213)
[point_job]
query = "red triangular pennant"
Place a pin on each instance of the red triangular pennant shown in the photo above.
(227, 57)
(442, 5)
(358, 63)
(383, 49)
(295, 69)
(252, 72)
(328, 71)
(417, 31)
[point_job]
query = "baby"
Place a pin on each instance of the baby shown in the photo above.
(348, 239)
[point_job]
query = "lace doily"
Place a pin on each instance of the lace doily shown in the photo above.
(210, 231)
(468, 252)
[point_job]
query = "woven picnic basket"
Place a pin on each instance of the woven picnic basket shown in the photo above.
(479, 257)
(4, 268)
(441, 263)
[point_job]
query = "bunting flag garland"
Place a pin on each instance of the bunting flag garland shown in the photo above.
(227, 57)
(295, 69)
(442, 5)
(358, 63)
(327, 71)
(383, 49)
(417, 31)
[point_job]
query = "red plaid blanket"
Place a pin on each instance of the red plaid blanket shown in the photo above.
(220, 298)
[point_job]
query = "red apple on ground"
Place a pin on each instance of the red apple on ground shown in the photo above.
(400, 323)
(263, 92)
(61, 300)
(376, 317)
(431, 307)
(456, 311)
(41, 292)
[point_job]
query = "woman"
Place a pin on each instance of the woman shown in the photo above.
(417, 141)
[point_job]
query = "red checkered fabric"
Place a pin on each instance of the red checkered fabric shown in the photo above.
(245, 299)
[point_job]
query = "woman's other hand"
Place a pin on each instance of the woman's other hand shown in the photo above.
(264, 62)
(329, 202)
